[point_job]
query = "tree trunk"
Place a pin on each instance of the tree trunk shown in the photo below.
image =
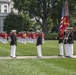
(45, 25)
(44, 18)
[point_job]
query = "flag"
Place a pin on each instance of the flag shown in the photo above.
(66, 20)
(61, 29)
(64, 23)
(66, 8)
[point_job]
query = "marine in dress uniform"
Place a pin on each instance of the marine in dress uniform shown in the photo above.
(70, 41)
(66, 42)
(18, 37)
(38, 44)
(24, 37)
(5, 36)
(42, 34)
(28, 37)
(34, 37)
(13, 43)
(61, 45)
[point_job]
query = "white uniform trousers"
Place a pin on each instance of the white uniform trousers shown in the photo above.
(13, 51)
(39, 51)
(4, 41)
(70, 49)
(66, 49)
(24, 41)
(20, 40)
(61, 49)
(43, 41)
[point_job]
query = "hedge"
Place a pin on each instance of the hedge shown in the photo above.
(51, 36)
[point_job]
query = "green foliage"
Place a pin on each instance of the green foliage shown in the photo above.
(39, 9)
(27, 23)
(45, 10)
(21, 5)
(16, 22)
(51, 36)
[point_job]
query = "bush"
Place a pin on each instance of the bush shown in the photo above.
(51, 36)
(16, 22)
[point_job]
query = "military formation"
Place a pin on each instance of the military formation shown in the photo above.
(67, 41)
(29, 37)
(22, 37)
(3, 37)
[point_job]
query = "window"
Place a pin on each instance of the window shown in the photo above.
(5, 8)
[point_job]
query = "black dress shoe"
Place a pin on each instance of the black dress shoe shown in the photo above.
(14, 57)
(67, 56)
(10, 56)
(70, 57)
(38, 56)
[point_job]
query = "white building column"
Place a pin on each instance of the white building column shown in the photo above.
(1, 24)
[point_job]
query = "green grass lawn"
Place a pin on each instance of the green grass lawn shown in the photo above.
(53, 66)
(64, 66)
(48, 49)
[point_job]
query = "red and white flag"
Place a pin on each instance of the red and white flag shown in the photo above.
(64, 23)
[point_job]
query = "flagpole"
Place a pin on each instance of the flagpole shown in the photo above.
(63, 1)
(64, 4)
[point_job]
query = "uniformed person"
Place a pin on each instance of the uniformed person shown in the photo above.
(66, 42)
(42, 34)
(24, 37)
(39, 43)
(60, 37)
(70, 41)
(13, 43)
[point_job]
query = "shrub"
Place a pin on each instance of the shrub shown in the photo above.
(16, 22)
(51, 36)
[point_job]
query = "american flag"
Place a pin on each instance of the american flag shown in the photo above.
(61, 29)
(64, 23)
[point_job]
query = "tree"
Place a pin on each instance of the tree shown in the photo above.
(26, 22)
(41, 10)
(38, 9)
(16, 22)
